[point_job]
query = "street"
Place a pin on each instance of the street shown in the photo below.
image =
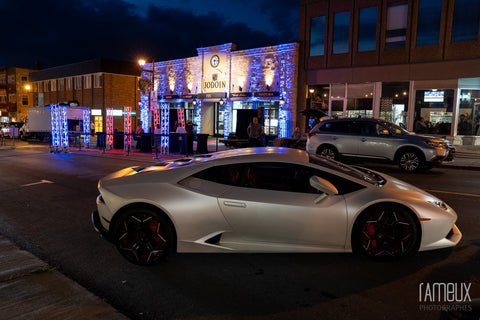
(47, 200)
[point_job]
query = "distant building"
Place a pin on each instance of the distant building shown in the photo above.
(97, 84)
(393, 59)
(15, 97)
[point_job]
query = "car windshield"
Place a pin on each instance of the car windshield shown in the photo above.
(392, 127)
(358, 173)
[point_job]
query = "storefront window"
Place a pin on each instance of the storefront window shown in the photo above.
(270, 111)
(394, 102)
(360, 100)
(469, 113)
(435, 107)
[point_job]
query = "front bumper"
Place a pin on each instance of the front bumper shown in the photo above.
(97, 225)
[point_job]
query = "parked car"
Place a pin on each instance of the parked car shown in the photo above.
(267, 200)
(368, 139)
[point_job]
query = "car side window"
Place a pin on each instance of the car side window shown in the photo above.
(368, 128)
(335, 126)
(227, 174)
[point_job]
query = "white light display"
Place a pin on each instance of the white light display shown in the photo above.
(127, 128)
(165, 128)
(59, 128)
(109, 144)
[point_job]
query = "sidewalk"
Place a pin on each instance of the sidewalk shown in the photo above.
(31, 289)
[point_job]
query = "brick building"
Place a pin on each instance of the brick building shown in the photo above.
(97, 84)
(394, 59)
(221, 89)
(15, 97)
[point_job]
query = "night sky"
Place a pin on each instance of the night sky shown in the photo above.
(49, 33)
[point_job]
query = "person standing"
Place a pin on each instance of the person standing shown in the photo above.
(255, 132)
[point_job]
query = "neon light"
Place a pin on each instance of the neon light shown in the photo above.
(127, 129)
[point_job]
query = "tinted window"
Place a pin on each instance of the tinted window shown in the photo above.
(466, 17)
(367, 29)
(341, 32)
(429, 17)
(232, 175)
(317, 36)
(339, 126)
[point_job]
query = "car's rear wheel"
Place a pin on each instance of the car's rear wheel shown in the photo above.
(410, 161)
(328, 152)
(385, 232)
(143, 236)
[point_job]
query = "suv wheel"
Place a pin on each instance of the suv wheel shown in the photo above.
(328, 152)
(410, 161)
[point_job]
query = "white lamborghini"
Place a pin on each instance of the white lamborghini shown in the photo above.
(267, 200)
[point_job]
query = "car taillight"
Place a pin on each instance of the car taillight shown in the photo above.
(309, 135)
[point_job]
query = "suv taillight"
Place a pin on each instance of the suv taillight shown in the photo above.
(310, 134)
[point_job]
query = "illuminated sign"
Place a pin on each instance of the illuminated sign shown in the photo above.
(434, 96)
(215, 72)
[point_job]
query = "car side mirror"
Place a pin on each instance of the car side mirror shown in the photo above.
(324, 186)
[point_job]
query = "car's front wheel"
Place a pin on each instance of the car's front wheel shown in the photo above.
(143, 236)
(385, 232)
(328, 151)
(410, 161)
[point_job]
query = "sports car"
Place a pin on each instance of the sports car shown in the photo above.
(267, 200)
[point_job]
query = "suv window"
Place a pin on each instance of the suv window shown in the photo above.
(335, 126)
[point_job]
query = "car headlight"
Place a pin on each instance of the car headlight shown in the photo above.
(439, 204)
(436, 143)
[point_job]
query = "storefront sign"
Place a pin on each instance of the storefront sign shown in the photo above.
(215, 71)
(215, 95)
(171, 96)
(188, 96)
(266, 94)
(240, 94)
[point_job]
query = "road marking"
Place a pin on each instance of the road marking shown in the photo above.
(35, 183)
(457, 193)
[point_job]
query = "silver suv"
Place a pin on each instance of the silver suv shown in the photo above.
(371, 139)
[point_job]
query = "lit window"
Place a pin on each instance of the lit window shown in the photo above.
(429, 18)
(367, 32)
(466, 18)
(397, 25)
(78, 82)
(98, 81)
(69, 83)
(88, 82)
(317, 36)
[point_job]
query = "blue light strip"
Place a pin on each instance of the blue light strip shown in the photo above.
(226, 119)
(55, 128)
(86, 128)
(198, 116)
(64, 128)
(165, 128)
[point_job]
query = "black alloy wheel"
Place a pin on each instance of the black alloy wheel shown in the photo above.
(143, 236)
(328, 152)
(385, 232)
(410, 161)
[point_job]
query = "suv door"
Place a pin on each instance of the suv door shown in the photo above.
(374, 141)
(341, 135)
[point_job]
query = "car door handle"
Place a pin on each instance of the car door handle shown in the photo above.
(334, 138)
(363, 139)
(235, 204)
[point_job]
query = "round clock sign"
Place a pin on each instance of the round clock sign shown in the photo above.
(214, 61)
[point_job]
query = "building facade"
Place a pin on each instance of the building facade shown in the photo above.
(15, 94)
(97, 84)
(221, 89)
(396, 60)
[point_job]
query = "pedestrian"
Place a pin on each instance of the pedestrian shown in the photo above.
(255, 132)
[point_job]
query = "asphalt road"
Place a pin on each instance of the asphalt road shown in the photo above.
(46, 200)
